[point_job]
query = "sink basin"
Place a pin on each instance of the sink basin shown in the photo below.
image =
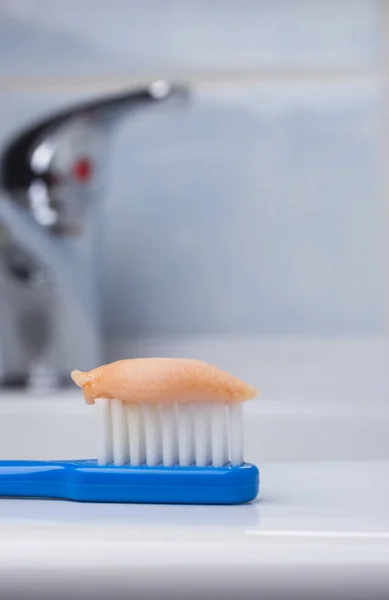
(319, 528)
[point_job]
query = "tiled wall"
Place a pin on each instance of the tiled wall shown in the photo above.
(261, 207)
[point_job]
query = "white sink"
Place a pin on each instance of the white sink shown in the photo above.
(320, 527)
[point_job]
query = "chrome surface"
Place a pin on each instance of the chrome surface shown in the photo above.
(52, 180)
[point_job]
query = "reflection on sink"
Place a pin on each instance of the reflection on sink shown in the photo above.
(138, 516)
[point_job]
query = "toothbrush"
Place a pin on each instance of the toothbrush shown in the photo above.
(169, 431)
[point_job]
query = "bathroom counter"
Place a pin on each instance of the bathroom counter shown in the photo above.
(319, 529)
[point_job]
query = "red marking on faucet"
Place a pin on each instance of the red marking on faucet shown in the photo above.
(82, 170)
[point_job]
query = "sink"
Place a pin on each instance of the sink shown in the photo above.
(319, 528)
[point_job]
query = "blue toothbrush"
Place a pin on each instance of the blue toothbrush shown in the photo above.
(176, 454)
(188, 450)
(87, 481)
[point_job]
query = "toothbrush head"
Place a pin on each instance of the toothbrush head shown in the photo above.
(166, 410)
(169, 431)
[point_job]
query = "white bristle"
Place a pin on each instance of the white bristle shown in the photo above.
(219, 435)
(152, 434)
(236, 433)
(185, 435)
(135, 434)
(169, 434)
(104, 431)
(119, 430)
(226, 438)
(201, 417)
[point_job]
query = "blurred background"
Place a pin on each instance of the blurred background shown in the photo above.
(203, 178)
(207, 179)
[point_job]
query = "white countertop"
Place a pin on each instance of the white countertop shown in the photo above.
(319, 526)
(310, 518)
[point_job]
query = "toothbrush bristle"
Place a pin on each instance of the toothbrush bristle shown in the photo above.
(119, 430)
(152, 434)
(135, 434)
(177, 433)
(202, 440)
(169, 435)
(185, 435)
(219, 435)
(104, 432)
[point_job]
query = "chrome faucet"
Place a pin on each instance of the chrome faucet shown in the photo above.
(51, 177)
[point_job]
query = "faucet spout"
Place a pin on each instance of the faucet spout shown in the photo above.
(51, 178)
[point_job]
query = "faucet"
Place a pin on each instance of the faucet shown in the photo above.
(50, 179)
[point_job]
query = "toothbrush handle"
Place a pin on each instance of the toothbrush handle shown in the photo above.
(32, 479)
(86, 481)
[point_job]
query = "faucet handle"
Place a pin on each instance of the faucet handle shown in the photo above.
(52, 168)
